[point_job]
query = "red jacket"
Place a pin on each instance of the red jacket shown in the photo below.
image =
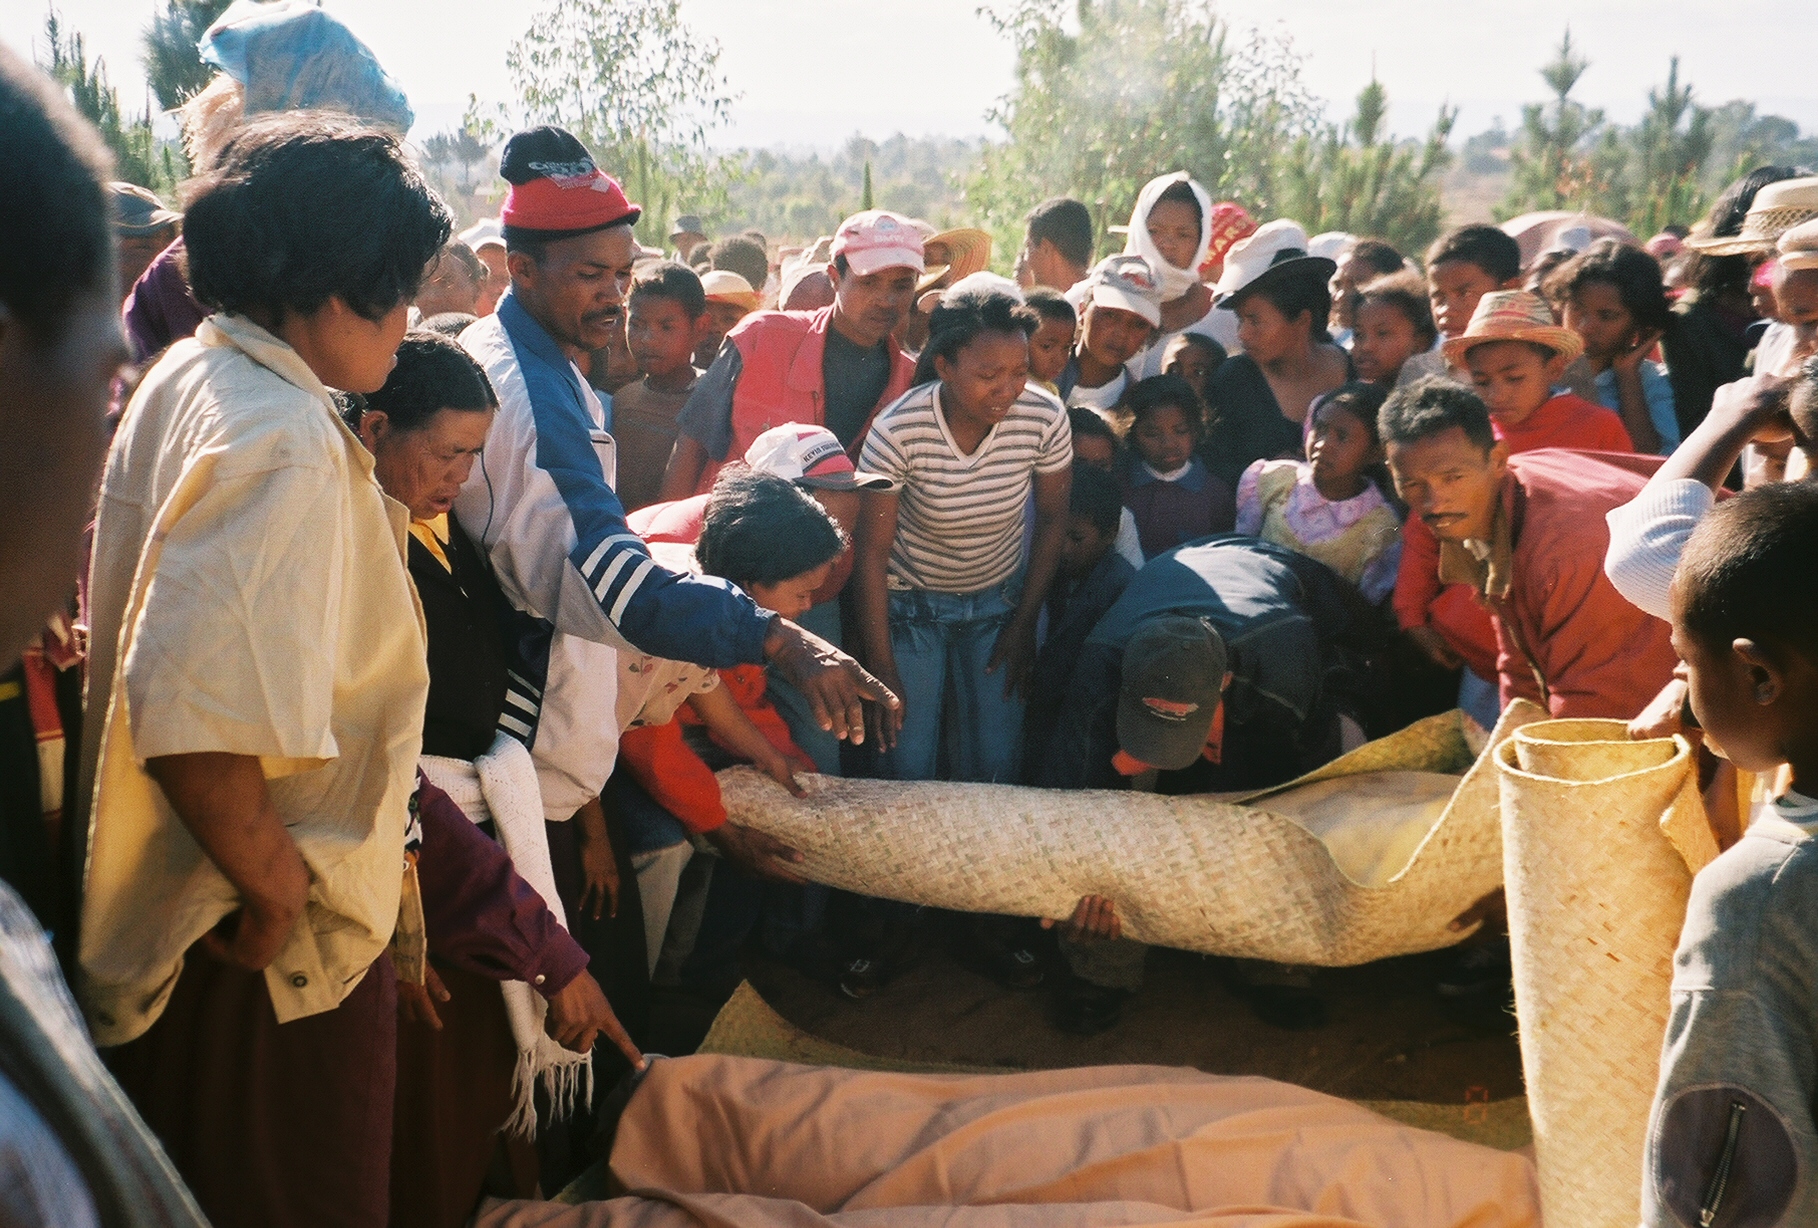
(1567, 638)
(780, 380)
(1566, 421)
(660, 759)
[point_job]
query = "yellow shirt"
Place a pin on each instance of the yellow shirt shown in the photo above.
(249, 596)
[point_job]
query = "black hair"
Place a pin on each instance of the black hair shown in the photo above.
(1430, 406)
(1362, 401)
(1087, 423)
(1377, 256)
(841, 265)
(433, 374)
(302, 207)
(450, 324)
(1181, 193)
(744, 256)
(1158, 392)
(1051, 304)
(1067, 224)
(1747, 572)
(1210, 345)
(1634, 273)
(1488, 247)
(56, 212)
(960, 319)
(757, 236)
(673, 281)
(1096, 498)
(1404, 292)
(1713, 276)
(1293, 294)
(1802, 403)
(763, 529)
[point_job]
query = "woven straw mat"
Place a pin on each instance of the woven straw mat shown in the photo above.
(1601, 837)
(1221, 876)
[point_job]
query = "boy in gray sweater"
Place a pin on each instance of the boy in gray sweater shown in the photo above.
(1731, 1139)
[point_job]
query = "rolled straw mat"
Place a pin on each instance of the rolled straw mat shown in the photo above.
(1601, 837)
(1239, 876)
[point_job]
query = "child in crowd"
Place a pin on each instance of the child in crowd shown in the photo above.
(1097, 446)
(1515, 355)
(1334, 505)
(1169, 490)
(1392, 322)
(668, 308)
(1194, 357)
(730, 298)
(1613, 297)
(1052, 344)
(773, 540)
(1732, 1123)
(1091, 578)
(1462, 267)
(1119, 310)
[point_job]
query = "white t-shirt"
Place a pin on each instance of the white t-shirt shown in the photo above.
(959, 526)
(1101, 398)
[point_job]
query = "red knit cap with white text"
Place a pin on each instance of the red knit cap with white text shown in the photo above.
(556, 188)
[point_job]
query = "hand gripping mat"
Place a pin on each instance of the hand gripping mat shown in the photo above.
(1225, 876)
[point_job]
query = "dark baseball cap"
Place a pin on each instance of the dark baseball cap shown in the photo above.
(138, 211)
(1173, 682)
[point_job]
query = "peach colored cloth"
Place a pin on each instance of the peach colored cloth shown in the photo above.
(724, 1141)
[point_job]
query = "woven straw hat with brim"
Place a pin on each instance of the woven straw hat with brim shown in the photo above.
(1513, 315)
(967, 251)
(725, 286)
(1798, 247)
(1777, 208)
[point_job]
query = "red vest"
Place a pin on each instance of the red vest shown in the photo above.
(780, 379)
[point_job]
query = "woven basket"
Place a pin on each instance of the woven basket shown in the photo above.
(1596, 893)
(1221, 876)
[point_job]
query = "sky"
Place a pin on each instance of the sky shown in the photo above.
(810, 73)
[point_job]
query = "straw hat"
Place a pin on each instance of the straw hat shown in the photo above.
(1513, 315)
(1798, 247)
(1777, 208)
(1277, 250)
(962, 252)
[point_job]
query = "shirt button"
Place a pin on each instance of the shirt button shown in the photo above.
(298, 980)
(539, 980)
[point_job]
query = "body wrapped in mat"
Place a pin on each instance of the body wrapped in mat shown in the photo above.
(1371, 856)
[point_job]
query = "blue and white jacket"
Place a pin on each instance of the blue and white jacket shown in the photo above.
(540, 502)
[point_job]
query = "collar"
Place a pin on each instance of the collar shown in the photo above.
(275, 354)
(529, 337)
(1192, 475)
(1486, 565)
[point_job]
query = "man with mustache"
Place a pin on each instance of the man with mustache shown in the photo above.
(1528, 533)
(541, 504)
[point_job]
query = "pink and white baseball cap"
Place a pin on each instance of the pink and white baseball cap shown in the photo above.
(810, 456)
(876, 240)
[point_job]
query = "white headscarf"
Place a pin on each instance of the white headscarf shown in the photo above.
(1175, 281)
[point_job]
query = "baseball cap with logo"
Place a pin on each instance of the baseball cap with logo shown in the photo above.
(809, 456)
(1173, 682)
(1127, 283)
(876, 240)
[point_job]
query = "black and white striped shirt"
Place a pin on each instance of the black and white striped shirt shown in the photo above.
(959, 525)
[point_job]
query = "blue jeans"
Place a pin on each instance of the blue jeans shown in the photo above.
(942, 642)
(820, 745)
(1480, 698)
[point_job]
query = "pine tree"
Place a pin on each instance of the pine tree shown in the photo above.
(865, 195)
(173, 67)
(139, 157)
(1552, 158)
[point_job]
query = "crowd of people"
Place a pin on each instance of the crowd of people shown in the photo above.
(431, 577)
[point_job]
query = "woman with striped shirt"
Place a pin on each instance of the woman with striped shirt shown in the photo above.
(947, 600)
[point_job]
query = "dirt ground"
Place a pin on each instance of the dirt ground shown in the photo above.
(1390, 1035)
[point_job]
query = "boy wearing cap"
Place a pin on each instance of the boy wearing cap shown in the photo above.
(1215, 671)
(1527, 533)
(835, 367)
(487, 241)
(730, 298)
(541, 502)
(1119, 306)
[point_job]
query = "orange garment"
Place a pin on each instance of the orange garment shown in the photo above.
(660, 759)
(723, 1141)
(1566, 421)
